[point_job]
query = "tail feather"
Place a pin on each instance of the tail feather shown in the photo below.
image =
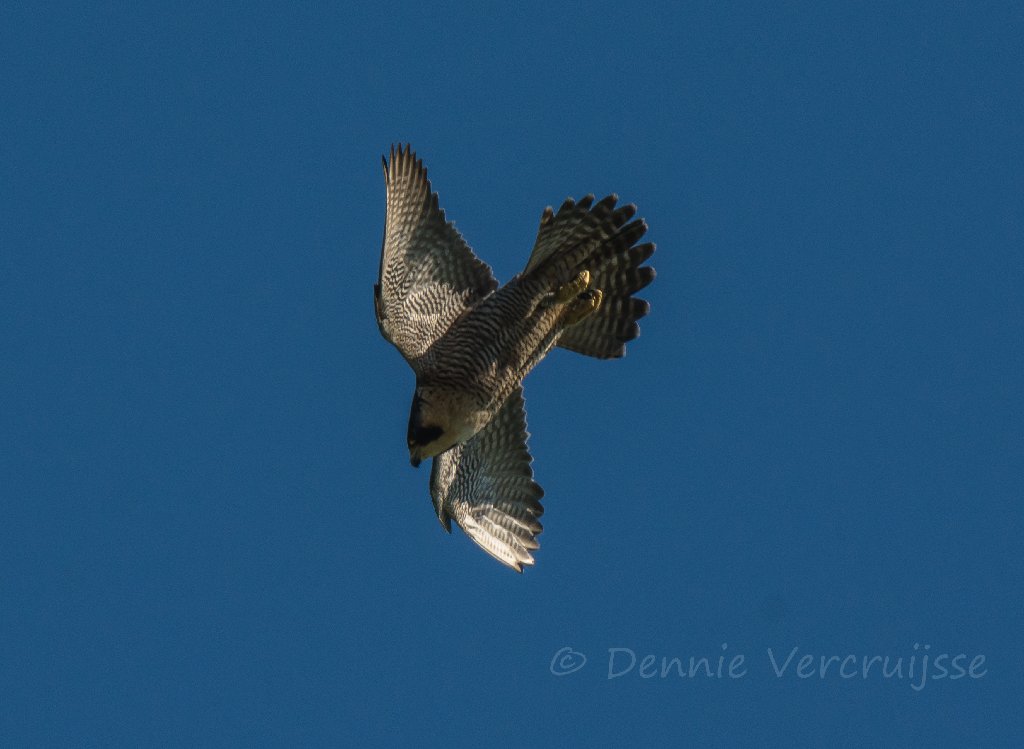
(580, 236)
(605, 333)
(599, 238)
(556, 229)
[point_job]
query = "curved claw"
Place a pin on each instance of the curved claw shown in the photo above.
(584, 306)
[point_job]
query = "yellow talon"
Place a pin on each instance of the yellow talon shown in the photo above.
(568, 292)
(584, 306)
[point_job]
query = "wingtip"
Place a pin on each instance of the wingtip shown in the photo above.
(399, 150)
(521, 564)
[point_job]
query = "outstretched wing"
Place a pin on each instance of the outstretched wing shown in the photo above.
(428, 274)
(486, 485)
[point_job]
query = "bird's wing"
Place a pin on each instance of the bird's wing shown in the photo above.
(486, 485)
(428, 274)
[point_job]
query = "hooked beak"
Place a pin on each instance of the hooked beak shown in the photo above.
(414, 457)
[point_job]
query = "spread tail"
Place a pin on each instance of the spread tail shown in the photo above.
(601, 239)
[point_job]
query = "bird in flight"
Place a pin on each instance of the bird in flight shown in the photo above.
(471, 343)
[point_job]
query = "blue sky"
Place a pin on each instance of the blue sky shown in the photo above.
(210, 531)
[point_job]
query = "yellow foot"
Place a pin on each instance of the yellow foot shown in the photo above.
(583, 306)
(568, 292)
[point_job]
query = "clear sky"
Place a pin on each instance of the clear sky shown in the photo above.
(210, 532)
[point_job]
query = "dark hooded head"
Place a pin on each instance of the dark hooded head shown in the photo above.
(424, 432)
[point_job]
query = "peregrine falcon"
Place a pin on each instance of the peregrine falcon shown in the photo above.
(471, 343)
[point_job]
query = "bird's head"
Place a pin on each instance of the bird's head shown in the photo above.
(430, 431)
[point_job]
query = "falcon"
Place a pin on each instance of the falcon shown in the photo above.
(471, 343)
